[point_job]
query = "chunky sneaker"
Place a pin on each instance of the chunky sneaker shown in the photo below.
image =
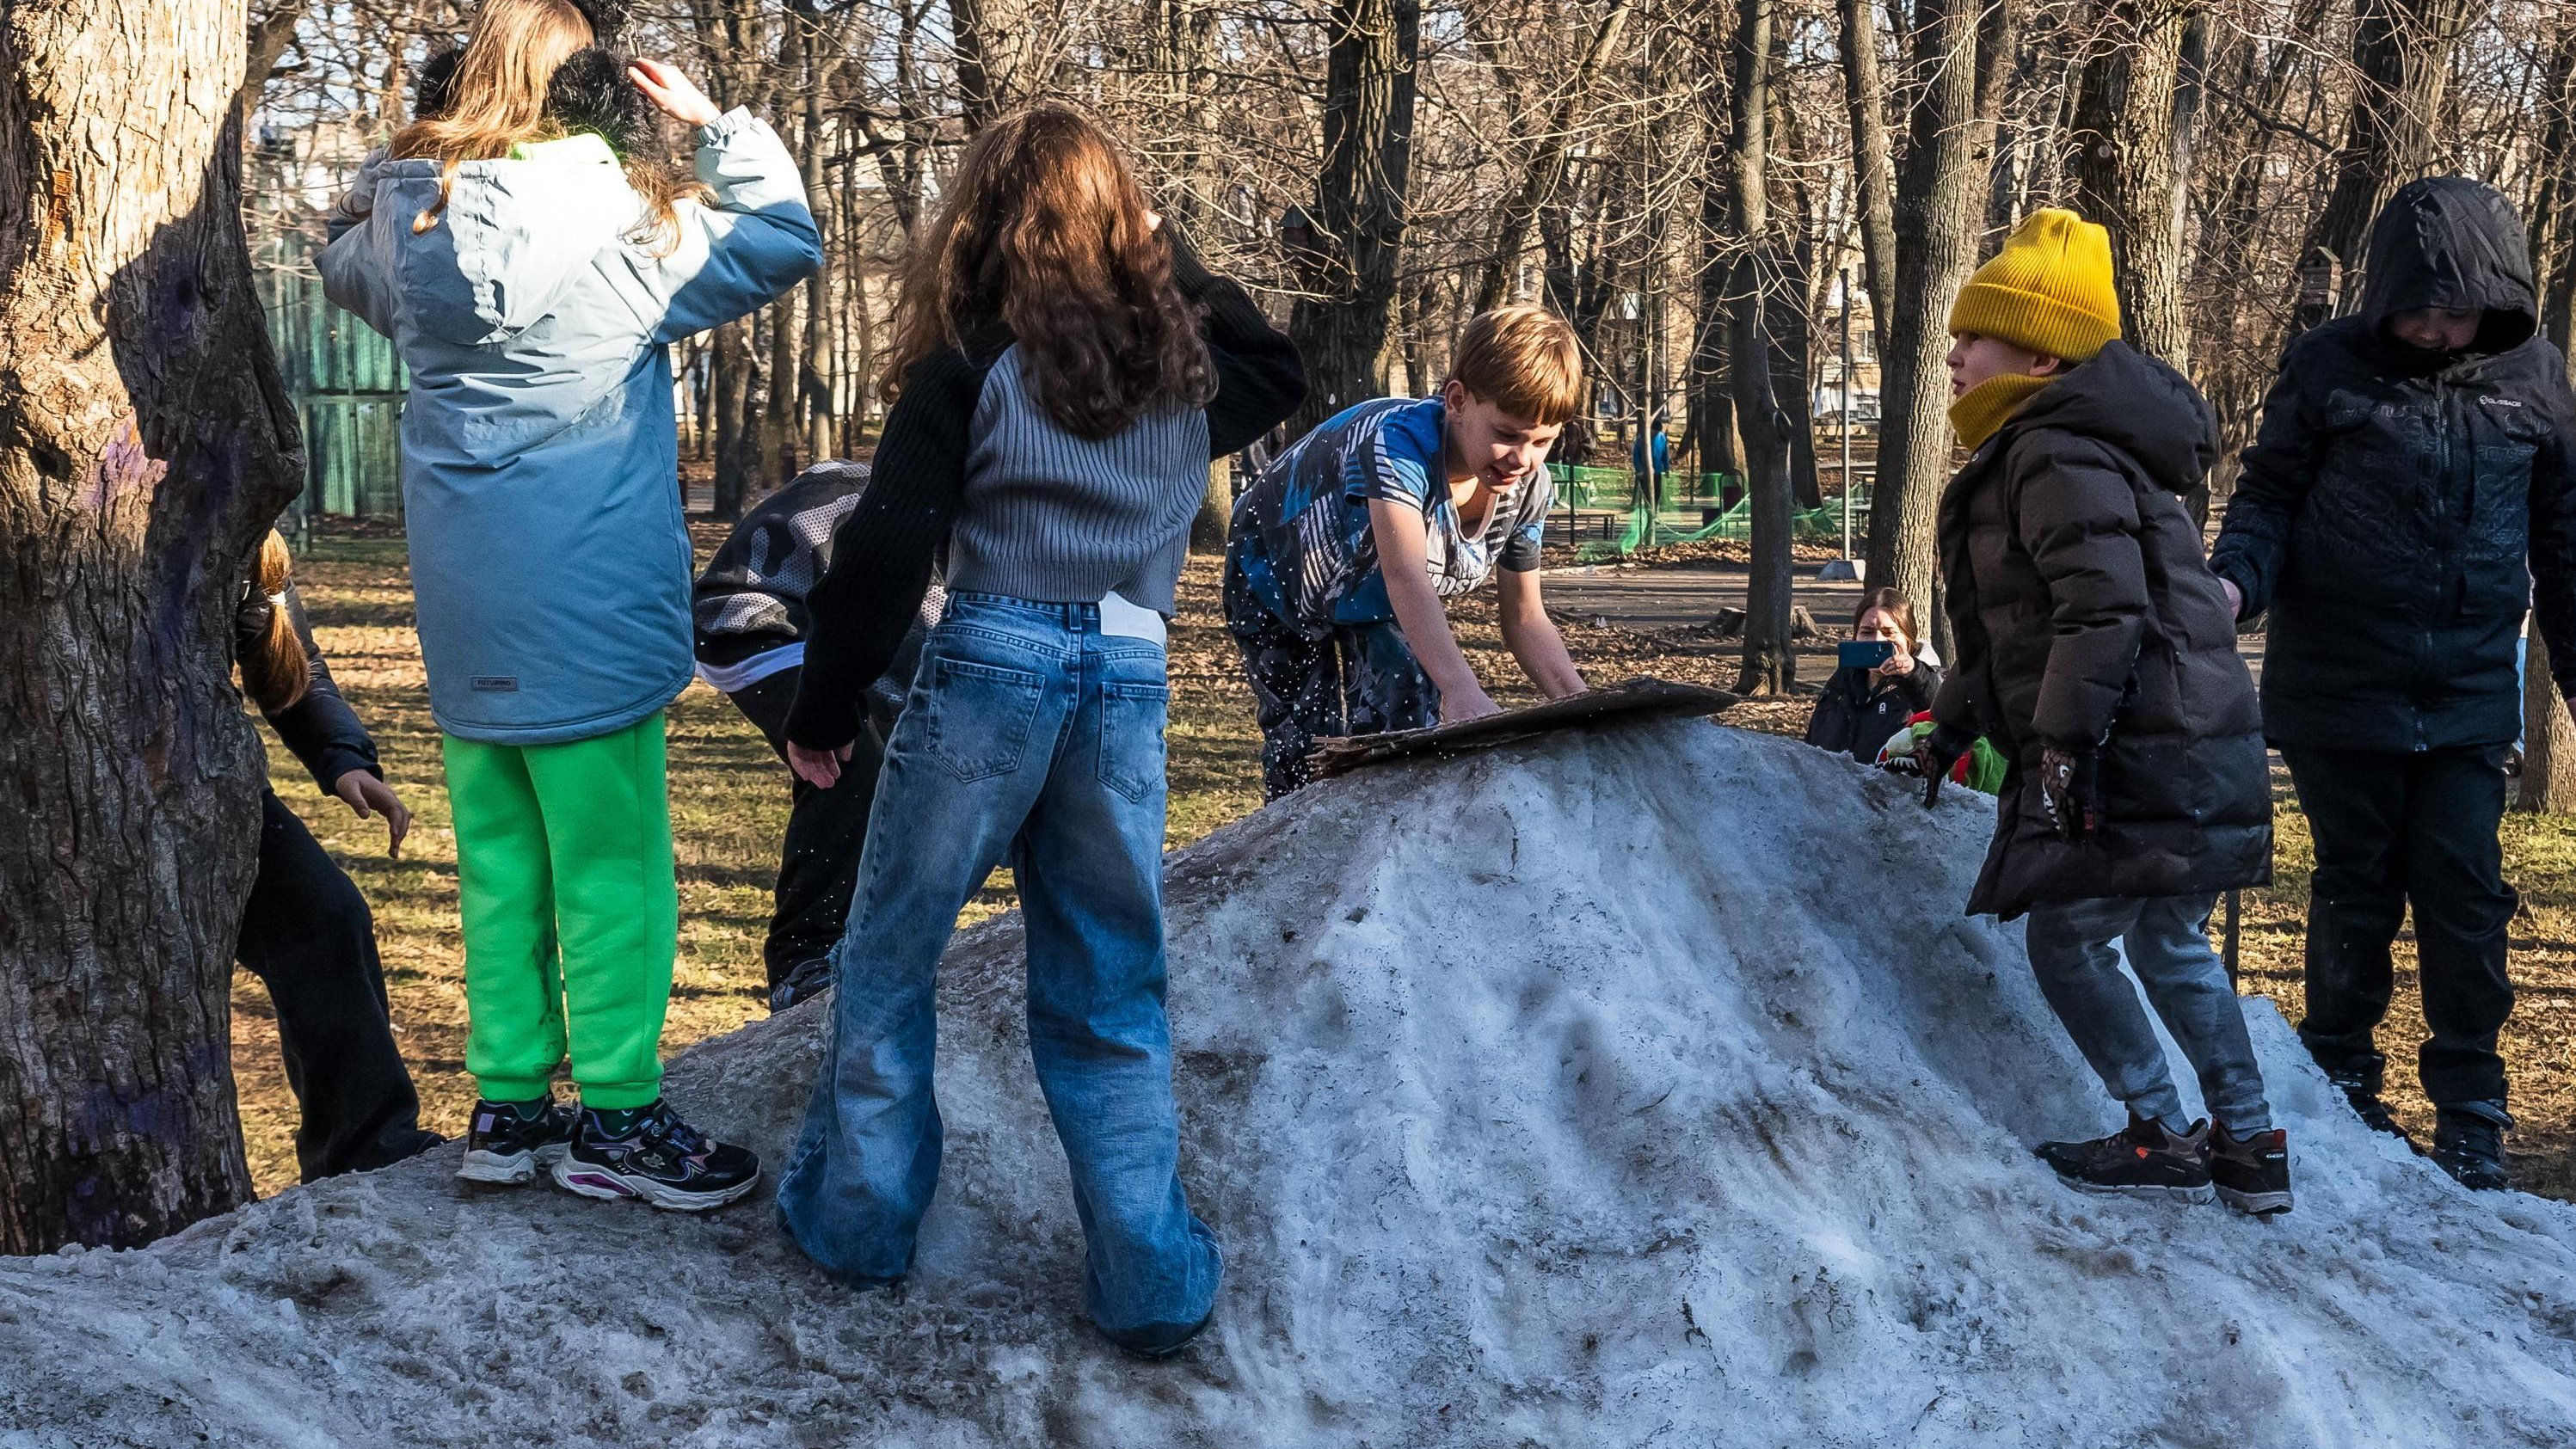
(2140, 1160)
(2468, 1143)
(648, 1152)
(804, 982)
(2252, 1172)
(510, 1141)
(2361, 1089)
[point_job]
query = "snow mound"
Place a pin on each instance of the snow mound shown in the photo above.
(1640, 1085)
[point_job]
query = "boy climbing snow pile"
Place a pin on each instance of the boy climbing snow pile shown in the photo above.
(530, 275)
(1341, 556)
(2098, 653)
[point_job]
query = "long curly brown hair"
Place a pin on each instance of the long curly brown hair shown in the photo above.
(1046, 229)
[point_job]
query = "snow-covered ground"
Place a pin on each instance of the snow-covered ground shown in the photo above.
(1633, 1087)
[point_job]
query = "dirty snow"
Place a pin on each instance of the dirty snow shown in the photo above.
(1640, 1086)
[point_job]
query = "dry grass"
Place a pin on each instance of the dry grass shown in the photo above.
(729, 807)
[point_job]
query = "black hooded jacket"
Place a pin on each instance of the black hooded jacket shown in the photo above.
(2085, 618)
(2397, 505)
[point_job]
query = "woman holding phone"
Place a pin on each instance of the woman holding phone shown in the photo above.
(1882, 681)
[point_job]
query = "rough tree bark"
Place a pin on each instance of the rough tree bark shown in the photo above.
(1940, 199)
(2548, 738)
(1768, 666)
(1360, 204)
(1865, 96)
(145, 443)
(2123, 148)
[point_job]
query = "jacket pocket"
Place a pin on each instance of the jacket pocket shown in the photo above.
(979, 717)
(2507, 439)
(1132, 720)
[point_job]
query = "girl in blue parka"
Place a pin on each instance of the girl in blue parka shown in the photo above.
(531, 276)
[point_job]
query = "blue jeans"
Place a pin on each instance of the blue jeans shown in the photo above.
(1030, 732)
(2167, 943)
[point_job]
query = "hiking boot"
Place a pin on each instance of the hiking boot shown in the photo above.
(649, 1153)
(2252, 1172)
(510, 1141)
(2140, 1160)
(2360, 1087)
(803, 982)
(2468, 1143)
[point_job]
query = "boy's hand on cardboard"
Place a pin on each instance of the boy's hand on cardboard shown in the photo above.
(366, 793)
(676, 95)
(1460, 707)
(818, 768)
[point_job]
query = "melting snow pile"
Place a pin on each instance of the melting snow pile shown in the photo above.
(1633, 1086)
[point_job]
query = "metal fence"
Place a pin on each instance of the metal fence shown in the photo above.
(347, 384)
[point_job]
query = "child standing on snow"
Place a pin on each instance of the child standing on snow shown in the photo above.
(2098, 652)
(531, 280)
(1340, 559)
(1064, 372)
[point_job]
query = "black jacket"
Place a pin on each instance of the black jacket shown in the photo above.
(1857, 713)
(320, 729)
(2085, 618)
(2397, 505)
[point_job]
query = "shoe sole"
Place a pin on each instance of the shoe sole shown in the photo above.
(2260, 1204)
(607, 1186)
(507, 1169)
(2150, 1192)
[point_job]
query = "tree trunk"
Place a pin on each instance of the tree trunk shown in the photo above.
(978, 100)
(2123, 150)
(1940, 200)
(2402, 51)
(734, 386)
(1865, 96)
(146, 441)
(814, 381)
(1360, 204)
(1546, 170)
(2549, 739)
(1767, 666)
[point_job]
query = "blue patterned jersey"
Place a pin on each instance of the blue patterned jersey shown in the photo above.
(1301, 532)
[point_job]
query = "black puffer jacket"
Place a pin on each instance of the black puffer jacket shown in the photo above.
(2085, 618)
(2397, 504)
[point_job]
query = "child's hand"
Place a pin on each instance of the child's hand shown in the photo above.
(364, 791)
(676, 95)
(1460, 706)
(818, 768)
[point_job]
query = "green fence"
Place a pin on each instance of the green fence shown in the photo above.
(1686, 508)
(348, 387)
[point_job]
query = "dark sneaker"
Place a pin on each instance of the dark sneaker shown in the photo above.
(2140, 1160)
(2468, 1143)
(803, 982)
(2252, 1172)
(2361, 1089)
(649, 1153)
(510, 1141)
(1159, 1341)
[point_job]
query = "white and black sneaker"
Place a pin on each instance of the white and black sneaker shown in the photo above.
(511, 1141)
(649, 1153)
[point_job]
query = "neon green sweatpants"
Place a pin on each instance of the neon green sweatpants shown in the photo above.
(571, 912)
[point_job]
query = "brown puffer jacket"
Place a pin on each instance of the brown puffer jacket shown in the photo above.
(2085, 617)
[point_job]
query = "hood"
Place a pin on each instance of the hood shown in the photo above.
(2451, 242)
(513, 236)
(2131, 402)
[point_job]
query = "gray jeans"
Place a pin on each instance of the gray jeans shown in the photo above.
(2166, 941)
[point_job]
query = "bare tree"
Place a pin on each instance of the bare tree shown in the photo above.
(145, 442)
(1357, 231)
(2125, 142)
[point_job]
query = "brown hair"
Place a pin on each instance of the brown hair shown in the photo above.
(1896, 606)
(1524, 360)
(1045, 228)
(274, 670)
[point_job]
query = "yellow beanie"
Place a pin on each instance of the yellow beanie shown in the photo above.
(2048, 290)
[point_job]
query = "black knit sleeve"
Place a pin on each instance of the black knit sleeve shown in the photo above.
(320, 729)
(882, 553)
(1260, 379)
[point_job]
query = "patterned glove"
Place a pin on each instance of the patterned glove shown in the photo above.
(1935, 753)
(2069, 790)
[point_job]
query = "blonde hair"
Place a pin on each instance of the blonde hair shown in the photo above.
(1524, 360)
(275, 672)
(498, 98)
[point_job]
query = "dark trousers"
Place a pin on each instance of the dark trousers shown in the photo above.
(307, 935)
(2394, 830)
(826, 829)
(1360, 679)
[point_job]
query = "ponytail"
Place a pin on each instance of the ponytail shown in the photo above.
(274, 668)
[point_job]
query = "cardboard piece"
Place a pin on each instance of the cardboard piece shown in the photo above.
(1648, 696)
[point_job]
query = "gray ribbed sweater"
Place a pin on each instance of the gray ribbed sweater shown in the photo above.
(1059, 519)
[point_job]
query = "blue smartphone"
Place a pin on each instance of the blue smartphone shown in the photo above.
(1865, 653)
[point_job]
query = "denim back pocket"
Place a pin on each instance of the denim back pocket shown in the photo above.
(980, 716)
(1131, 737)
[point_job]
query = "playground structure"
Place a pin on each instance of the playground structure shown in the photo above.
(1608, 512)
